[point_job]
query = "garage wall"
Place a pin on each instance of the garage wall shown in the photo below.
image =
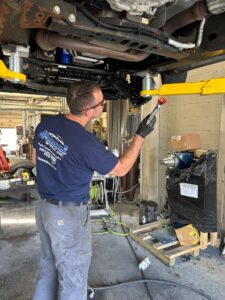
(192, 113)
(149, 171)
(221, 171)
(10, 119)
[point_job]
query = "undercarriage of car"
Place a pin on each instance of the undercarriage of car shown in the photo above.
(113, 42)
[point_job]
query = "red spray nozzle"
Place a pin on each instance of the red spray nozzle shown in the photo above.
(162, 101)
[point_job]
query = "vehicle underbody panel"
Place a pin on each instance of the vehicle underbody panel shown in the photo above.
(111, 42)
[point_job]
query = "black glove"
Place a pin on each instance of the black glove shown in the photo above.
(144, 129)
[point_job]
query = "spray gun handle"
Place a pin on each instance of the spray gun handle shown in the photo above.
(161, 101)
(153, 114)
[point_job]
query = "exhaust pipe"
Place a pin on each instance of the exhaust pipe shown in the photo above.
(195, 13)
(49, 40)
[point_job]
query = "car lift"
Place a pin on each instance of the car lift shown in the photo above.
(7, 74)
(209, 87)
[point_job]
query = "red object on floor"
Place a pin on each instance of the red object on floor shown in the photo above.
(4, 166)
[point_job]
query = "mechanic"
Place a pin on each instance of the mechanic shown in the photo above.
(66, 155)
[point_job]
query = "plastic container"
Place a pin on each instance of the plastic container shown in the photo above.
(65, 57)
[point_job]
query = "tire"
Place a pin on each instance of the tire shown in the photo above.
(24, 164)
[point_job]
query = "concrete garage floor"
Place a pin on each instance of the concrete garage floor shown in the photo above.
(114, 262)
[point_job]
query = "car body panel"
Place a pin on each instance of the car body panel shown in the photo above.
(112, 42)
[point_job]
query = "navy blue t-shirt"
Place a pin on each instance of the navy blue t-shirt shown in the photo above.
(67, 156)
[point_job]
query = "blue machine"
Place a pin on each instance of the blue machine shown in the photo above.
(185, 159)
(180, 160)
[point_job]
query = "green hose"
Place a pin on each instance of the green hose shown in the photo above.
(109, 229)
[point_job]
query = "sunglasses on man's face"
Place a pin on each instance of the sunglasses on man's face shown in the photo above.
(101, 103)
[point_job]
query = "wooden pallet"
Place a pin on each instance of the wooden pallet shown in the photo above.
(170, 251)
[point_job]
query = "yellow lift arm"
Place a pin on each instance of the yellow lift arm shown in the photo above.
(209, 87)
(6, 74)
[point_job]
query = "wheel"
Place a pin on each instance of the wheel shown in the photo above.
(24, 164)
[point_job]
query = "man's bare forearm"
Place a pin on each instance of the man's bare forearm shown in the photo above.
(34, 156)
(127, 160)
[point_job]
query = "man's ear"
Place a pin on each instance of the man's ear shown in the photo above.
(88, 112)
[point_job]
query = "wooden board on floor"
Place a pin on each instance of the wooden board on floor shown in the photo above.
(168, 252)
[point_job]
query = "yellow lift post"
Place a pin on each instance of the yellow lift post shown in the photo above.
(209, 87)
(7, 74)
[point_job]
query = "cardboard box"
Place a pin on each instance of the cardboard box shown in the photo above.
(198, 153)
(187, 235)
(188, 141)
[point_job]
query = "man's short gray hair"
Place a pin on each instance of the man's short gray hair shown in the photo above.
(80, 95)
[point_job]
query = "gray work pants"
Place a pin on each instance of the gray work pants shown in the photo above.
(65, 234)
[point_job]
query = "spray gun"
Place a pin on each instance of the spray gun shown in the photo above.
(147, 125)
(161, 102)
